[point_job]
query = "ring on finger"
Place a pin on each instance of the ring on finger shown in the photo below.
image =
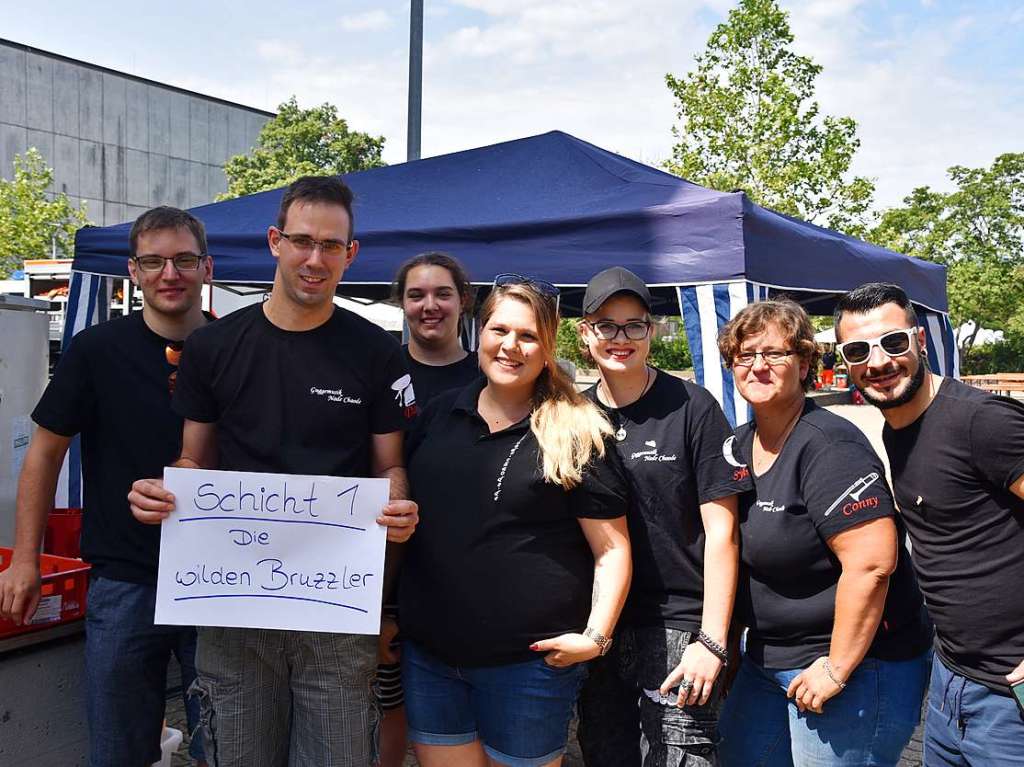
(686, 684)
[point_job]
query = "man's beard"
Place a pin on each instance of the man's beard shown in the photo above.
(916, 381)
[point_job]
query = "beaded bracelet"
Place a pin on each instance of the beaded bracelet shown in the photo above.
(713, 647)
(831, 675)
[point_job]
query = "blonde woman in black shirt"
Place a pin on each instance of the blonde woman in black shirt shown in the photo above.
(521, 563)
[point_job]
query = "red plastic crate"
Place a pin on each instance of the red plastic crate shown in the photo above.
(62, 599)
(64, 533)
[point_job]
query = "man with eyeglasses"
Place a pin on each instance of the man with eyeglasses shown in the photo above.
(294, 385)
(957, 459)
(112, 387)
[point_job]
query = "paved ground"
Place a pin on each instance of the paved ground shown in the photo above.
(868, 419)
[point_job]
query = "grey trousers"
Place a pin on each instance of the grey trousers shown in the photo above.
(287, 698)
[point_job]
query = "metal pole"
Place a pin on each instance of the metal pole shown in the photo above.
(415, 79)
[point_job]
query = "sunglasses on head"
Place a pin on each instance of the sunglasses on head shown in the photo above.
(894, 343)
(543, 287)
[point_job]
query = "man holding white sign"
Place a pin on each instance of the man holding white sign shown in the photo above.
(295, 387)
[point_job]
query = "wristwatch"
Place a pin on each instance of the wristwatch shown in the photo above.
(604, 644)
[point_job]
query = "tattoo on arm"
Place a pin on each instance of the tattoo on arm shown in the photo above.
(596, 595)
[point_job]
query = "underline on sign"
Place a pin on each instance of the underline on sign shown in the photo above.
(270, 596)
(286, 521)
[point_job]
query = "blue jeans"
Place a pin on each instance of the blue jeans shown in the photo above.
(126, 658)
(520, 712)
(968, 725)
(866, 725)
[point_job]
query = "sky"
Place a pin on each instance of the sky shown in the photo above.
(931, 83)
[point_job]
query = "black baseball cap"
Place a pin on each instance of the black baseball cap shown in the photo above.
(606, 284)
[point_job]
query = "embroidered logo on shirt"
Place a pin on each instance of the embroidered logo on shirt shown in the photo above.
(651, 454)
(769, 506)
(741, 472)
(404, 395)
(854, 491)
(335, 395)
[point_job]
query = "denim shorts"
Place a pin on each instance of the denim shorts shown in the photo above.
(126, 659)
(869, 723)
(520, 712)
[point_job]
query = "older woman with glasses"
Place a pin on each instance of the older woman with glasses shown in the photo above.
(835, 661)
(519, 570)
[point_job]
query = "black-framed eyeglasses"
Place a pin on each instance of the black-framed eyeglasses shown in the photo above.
(771, 356)
(894, 343)
(306, 243)
(183, 262)
(607, 330)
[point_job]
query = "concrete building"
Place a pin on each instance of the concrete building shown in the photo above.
(119, 143)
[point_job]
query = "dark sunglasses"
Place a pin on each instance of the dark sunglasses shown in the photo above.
(172, 353)
(894, 343)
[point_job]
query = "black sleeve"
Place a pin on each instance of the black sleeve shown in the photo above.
(604, 491)
(394, 402)
(68, 403)
(424, 422)
(997, 440)
(708, 438)
(843, 485)
(193, 396)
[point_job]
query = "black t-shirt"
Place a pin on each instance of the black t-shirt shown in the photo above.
(111, 386)
(295, 402)
(671, 447)
(431, 380)
(827, 479)
(951, 470)
(499, 560)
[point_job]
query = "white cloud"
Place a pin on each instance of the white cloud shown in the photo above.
(364, 22)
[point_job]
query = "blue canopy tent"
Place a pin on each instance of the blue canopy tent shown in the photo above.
(557, 208)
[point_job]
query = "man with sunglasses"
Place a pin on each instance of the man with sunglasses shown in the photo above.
(112, 387)
(294, 385)
(957, 459)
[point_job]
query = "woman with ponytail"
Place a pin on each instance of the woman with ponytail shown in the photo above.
(520, 564)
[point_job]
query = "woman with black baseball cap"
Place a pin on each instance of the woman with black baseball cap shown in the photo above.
(658, 683)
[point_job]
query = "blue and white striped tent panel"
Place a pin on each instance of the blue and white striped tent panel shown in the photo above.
(943, 355)
(88, 304)
(706, 308)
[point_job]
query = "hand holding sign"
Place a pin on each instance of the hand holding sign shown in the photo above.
(272, 551)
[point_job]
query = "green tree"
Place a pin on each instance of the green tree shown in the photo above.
(33, 224)
(300, 142)
(748, 121)
(977, 231)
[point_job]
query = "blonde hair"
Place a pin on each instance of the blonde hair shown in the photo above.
(569, 428)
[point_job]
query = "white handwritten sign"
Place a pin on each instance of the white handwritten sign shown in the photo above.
(272, 551)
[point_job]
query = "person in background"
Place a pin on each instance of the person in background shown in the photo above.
(434, 292)
(521, 564)
(112, 377)
(685, 542)
(828, 367)
(957, 460)
(836, 653)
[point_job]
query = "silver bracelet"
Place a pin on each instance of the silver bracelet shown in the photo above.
(831, 675)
